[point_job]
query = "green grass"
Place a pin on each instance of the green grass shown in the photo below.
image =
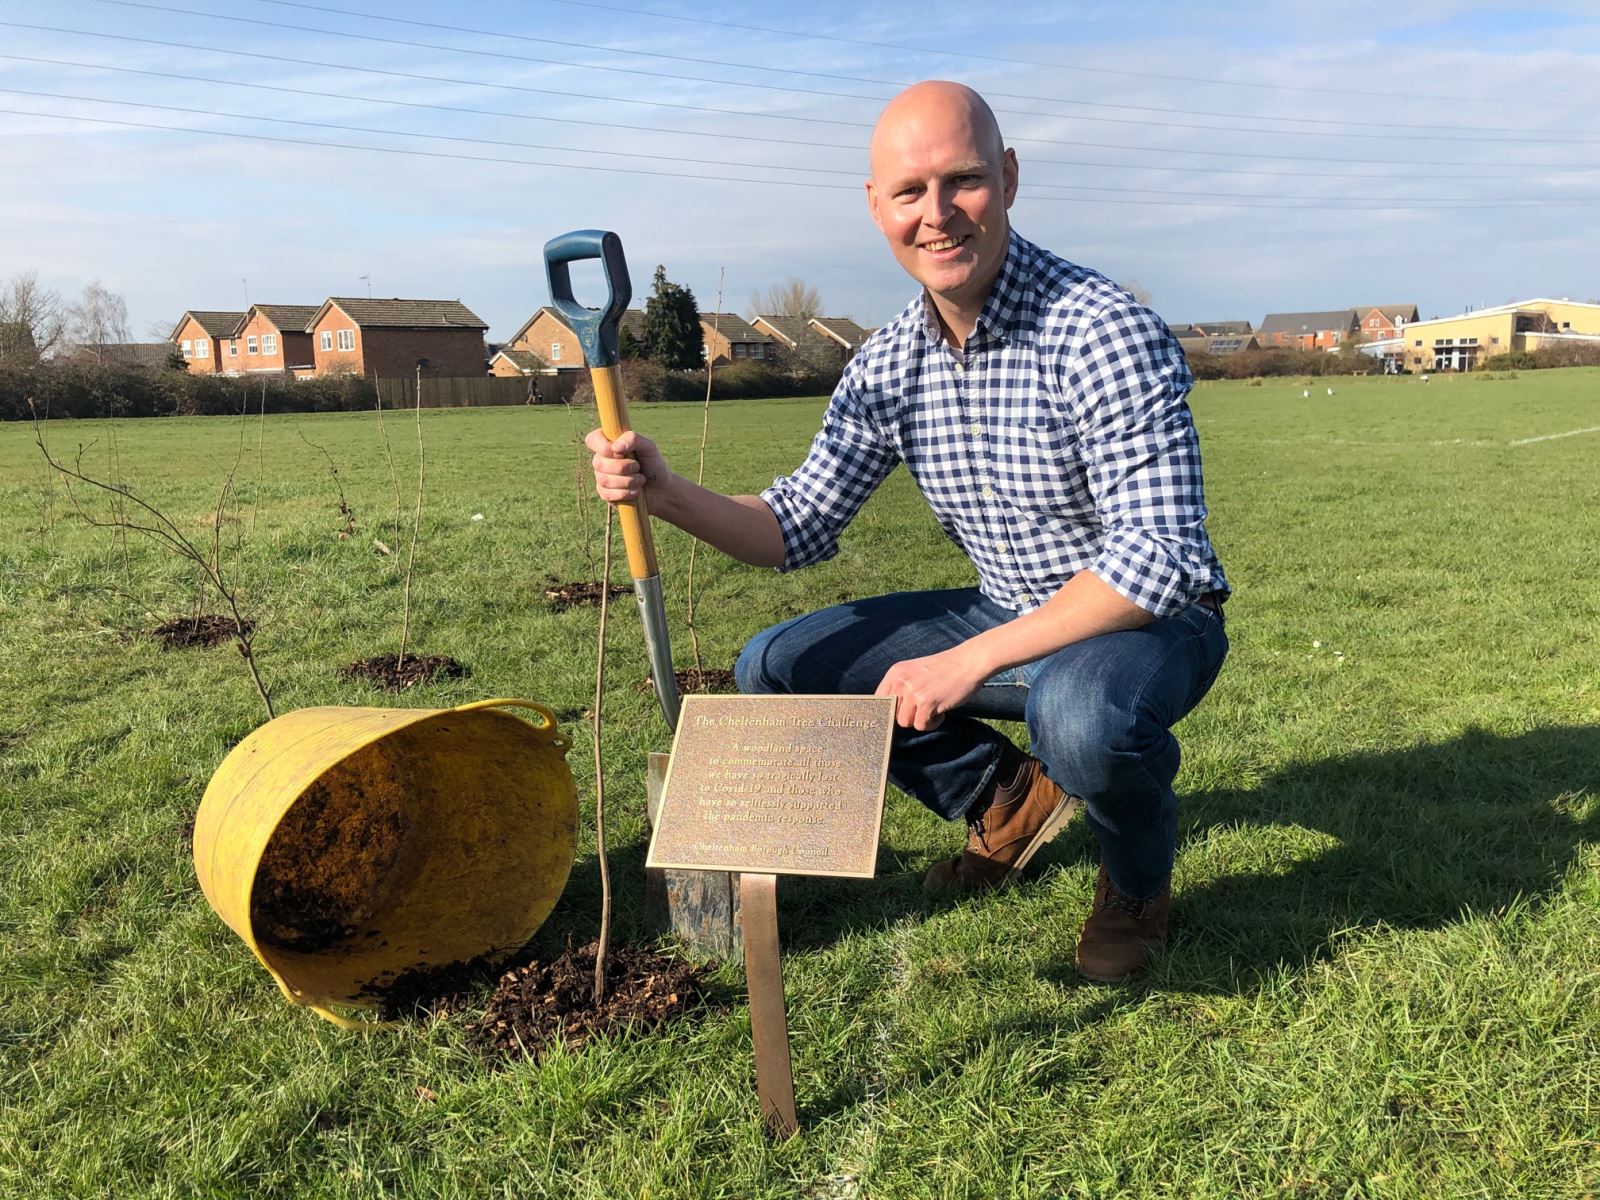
(1384, 974)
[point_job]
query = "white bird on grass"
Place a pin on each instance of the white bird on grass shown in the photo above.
(1330, 391)
(1305, 393)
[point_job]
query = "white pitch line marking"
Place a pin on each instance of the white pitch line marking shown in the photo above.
(1550, 437)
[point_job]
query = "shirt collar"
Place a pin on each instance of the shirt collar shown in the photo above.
(998, 319)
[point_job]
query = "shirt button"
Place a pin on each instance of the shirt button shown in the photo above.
(960, 370)
(987, 492)
(1024, 597)
(1000, 547)
(975, 429)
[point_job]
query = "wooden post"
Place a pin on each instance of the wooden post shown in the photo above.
(769, 1019)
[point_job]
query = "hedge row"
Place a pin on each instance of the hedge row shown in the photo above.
(84, 390)
(1253, 364)
(646, 382)
(1577, 354)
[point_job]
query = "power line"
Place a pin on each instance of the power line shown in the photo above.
(1529, 136)
(1357, 202)
(746, 137)
(894, 83)
(1062, 66)
(520, 88)
(522, 162)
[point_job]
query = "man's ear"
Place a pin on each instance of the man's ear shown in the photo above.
(872, 205)
(1008, 174)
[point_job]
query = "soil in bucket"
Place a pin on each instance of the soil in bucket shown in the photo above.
(330, 865)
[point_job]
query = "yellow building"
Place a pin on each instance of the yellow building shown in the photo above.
(1461, 343)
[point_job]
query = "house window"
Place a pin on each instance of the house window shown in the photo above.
(202, 348)
(251, 346)
(347, 339)
(555, 352)
(1419, 342)
(188, 348)
(269, 343)
(1494, 341)
(327, 340)
(1373, 323)
(233, 348)
(740, 350)
(1566, 324)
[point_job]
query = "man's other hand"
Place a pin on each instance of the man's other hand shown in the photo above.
(928, 688)
(627, 468)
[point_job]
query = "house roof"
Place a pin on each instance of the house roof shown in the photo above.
(289, 318)
(525, 361)
(217, 324)
(791, 331)
(841, 329)
(1306, 322)
(401, 314)
(1395, 312)
(733, 327)
(632, 320)
(124, 354)
(1224, 328)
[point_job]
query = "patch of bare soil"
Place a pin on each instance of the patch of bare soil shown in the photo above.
(208, 629)
(436, 991)
(690, 681)
(581, 594)
(389, 673)
(534, 1004)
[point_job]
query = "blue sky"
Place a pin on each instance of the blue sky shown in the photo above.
(1234, 163)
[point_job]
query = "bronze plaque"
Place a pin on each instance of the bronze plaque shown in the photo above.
(781, 785)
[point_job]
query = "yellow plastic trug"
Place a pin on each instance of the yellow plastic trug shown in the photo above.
(434, 835)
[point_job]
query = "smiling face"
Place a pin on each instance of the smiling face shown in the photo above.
(941, 183)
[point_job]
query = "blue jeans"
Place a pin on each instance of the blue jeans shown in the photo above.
(1099, 712)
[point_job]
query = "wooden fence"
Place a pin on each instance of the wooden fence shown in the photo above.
(477, 392)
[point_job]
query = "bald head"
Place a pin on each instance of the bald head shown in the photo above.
(928, 111)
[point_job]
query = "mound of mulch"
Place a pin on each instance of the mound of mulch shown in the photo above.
(187, 633)
(389, 673)
(534, 1004)
(690, 681)
(584, 593)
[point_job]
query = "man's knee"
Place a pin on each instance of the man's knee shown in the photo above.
(753, 671)
(1095, 747)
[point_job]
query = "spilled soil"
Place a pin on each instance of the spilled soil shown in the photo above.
(533, 1005)
(389, 673)
(435, 991)
(187, 633)
(582, 594)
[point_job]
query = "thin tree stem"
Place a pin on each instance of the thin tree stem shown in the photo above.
(700, 479)
(416, 526)
(604, 942)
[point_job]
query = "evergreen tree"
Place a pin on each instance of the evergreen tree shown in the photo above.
(671, 331)
(628, 346)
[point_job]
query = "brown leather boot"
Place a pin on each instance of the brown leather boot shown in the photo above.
(1122, 934)
(1005, 828)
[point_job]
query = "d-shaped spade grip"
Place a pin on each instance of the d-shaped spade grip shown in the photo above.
(597, 333)
(596, 327)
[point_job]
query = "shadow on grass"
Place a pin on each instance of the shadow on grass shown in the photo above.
(1425, 836)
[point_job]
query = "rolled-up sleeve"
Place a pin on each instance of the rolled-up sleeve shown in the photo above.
(1128, 382)
(849, 458)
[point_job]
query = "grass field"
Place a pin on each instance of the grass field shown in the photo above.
(1385, 976)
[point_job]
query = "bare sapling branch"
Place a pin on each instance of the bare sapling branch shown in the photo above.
(700, 479)
(603, 944)
(347, 516)
(394, 478)
(416, 526)
(157, 526)
(582, 486)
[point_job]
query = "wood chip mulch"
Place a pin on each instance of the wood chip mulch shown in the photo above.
(534, 1004)
(582, 594)
(397, 677)
(435, 991)
(187, 633)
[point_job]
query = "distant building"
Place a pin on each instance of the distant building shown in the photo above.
(546, 335)
(730, 338)
(1462, 342)
(1307, 330)
(199, 336)
(823, 341)
(387, 339)
(273, 339)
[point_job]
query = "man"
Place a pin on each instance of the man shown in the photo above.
(1040, 411)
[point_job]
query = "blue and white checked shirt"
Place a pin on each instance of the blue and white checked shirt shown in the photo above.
(1058, 441)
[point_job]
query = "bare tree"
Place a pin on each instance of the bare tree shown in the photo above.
(99, 319)
(791, 298)
(1139, 292)
(31, 318)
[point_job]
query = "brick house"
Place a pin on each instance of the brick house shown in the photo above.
(545, 334)
(1307, 330)
(823, 341)
(1384, 321)
(730, 338)
(201, 337)
(386, 339)
(272, 338)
